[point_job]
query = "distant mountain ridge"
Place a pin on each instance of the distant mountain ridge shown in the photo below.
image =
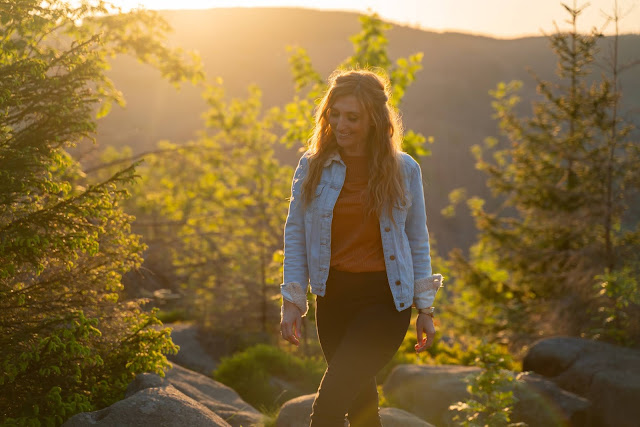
(449, 99)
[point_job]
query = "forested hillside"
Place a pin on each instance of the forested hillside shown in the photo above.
(449, 100)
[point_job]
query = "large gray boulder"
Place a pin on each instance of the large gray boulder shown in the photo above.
(183, 397)
(153, 407)
(428, 391)
(296, 412)
(394, 417)
(143, 381)
(216, 396)
(542, 403)
(607, 375)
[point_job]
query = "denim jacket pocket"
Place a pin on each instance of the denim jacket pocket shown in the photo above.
(400, 211)
(320, 205)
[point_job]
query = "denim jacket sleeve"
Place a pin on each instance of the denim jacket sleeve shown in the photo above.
(295, 269)
(426, 284)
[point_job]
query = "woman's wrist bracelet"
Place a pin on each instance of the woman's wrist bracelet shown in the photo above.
(428, 311)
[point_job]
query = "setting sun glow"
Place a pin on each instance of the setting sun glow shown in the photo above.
(498, 18)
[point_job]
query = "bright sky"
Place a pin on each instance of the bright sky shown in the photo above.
(499, 18)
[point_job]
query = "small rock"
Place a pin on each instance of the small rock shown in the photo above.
(296, 413)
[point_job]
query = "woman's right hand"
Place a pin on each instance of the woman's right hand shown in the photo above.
(291, 322)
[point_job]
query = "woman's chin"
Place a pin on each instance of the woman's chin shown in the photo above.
(347, 145)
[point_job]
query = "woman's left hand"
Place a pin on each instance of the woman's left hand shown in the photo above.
(425, 331)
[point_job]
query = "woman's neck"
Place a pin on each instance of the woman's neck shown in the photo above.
(352, 153)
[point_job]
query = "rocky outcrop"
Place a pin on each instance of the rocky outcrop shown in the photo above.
(182, 398)
(573, 382)
(156, 406)
(428, 391)
(295, 413)
(607, 375)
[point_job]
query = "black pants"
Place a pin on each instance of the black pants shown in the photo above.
(359, 330)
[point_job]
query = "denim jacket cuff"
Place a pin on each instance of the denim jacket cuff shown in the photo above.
(425, 290)
(293, 292)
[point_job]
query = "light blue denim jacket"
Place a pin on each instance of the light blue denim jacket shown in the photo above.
(405, 241)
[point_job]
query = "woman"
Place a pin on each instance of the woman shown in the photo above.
(356, 231)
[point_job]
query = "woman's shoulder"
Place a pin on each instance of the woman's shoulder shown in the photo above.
(304, 159)
(409, 163)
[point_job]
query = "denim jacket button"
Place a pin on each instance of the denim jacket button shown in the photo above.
(392, 257)
(401, 304)
(387, 229)
(398, 282)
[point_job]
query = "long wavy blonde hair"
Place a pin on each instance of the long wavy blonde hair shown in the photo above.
(386, 184)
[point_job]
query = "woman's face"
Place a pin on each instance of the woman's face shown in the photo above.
(350, 125)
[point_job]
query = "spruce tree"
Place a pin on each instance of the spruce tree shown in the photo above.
(67, 344)
(565, 180)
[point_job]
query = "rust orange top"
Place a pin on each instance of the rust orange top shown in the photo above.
(356, 244)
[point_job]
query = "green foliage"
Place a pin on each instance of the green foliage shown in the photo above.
(617, 291)
(455, 197)
(565, 178)
(370, 52)
(215, 208)
(468, 352)
(66, 343)
(492, 399)
(255, 372)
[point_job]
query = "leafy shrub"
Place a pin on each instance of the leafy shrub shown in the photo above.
(491, 399)
(256, 372)
(76, 367)
(618, 301)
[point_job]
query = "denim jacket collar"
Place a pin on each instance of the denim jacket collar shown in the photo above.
(335, 156)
